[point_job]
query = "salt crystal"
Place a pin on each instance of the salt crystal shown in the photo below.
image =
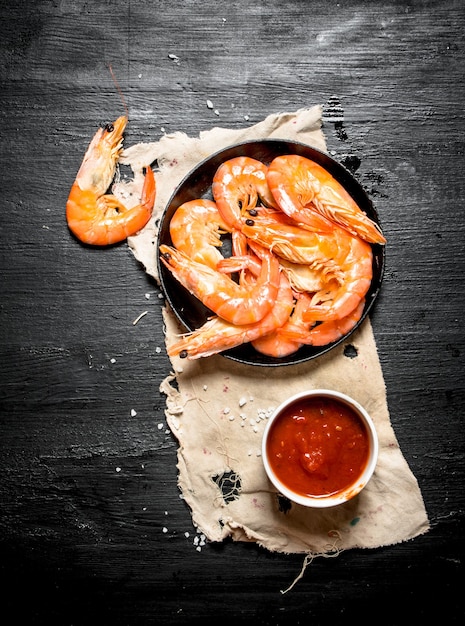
(246, 117)
(118, 469)
(216, 112)
(186, 534)
(242, 401)
(160, 426)
(226, 410)
(158, 349)
(165, 530)
(112, 360)
(209, 104)
(133, 413)
(147, 296)
(205, 387)
(231, 418)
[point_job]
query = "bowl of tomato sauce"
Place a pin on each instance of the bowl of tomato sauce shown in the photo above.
(320, 448)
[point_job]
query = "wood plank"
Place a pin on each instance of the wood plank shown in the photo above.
(87, 488)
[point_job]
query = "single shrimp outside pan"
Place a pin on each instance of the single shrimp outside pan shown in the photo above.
(98, 218)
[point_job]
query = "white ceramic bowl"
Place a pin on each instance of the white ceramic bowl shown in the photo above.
(308, 448)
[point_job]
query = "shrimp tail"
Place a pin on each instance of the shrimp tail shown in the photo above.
(149, 190)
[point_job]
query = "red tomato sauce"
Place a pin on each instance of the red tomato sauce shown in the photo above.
(318, 446)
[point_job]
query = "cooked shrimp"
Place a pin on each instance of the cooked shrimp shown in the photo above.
(242, 260)
(96, 217)
(274, 343)
(302, 277)
(238, 304)
(239, 185)
(217, 335)
(296, 333)
(303, 189)
(298, 245)
(196, 228)
(321, 334)
(277, 344)
(246, 260)
(336, 301)
(328, 332)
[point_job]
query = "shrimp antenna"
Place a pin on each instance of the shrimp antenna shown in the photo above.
(123, 100)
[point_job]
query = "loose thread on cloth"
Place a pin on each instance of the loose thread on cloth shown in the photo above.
(330, 553)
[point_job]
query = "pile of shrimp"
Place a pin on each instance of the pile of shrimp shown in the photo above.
(301, 262)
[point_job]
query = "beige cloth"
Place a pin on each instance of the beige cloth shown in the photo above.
(219, 409)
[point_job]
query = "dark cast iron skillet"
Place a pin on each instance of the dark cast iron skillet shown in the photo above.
(197, 184)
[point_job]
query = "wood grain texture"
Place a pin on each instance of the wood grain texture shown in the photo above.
(92, 528)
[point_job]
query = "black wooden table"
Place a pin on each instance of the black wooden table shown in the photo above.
(92, 528)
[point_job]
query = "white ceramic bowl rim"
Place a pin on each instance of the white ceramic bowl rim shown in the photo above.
(341, 496)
